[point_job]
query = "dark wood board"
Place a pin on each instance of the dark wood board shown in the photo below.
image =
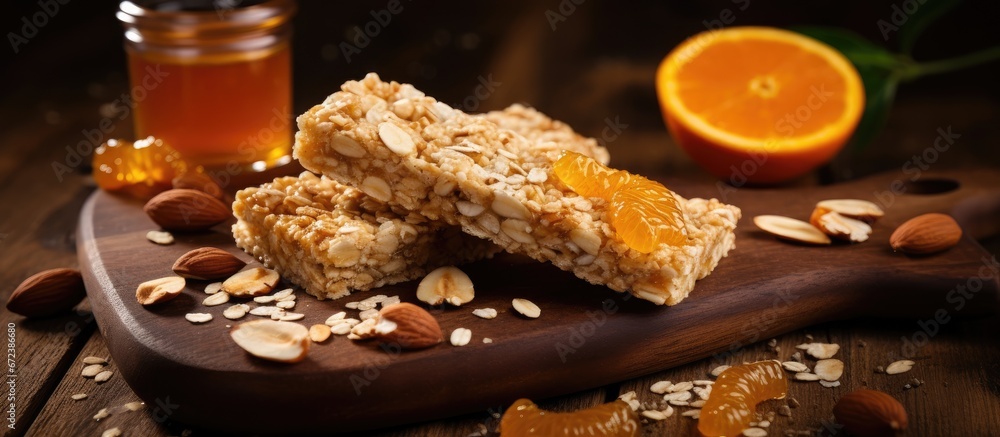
(588, 336)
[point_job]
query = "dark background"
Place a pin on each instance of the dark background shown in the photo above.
(597, 64)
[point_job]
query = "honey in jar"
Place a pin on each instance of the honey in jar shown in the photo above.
(213, 79)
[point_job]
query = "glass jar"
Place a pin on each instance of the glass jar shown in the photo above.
(212, 79)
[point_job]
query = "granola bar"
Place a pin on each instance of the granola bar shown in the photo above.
(411, 151)
(330, 238)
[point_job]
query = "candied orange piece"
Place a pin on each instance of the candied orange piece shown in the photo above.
(524, 418)
(141, 169)
(735, 395)
(643, 213)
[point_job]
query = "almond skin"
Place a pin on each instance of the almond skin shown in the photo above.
(48, 293)
(870, 413)
(183, 209)
(926, 234)
(414, 328)
(207, 263)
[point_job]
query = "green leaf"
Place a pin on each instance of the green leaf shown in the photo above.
(880, 91)
(860, 51)
(926, 13)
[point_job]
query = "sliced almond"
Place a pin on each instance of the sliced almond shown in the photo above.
(198, 318)
(485, 313)
(856, 209)
(251, 282)
(791, 229)
(215, 299)
(319, 333)
(291, 317)
(820, 351)
(286, 304)
(79, 397)
(806, 376)
(162, 238)
(526, 308)
(284, 342)
(461, 337)
(396, 139)
(237, 311)
(265, 311)
(213, 288)
(897, 367)
(159, 290)
(95, 360)
(92, 370)
(363, 330)
(795, 366)
(446, 284)
(336, 319)
(829, 369)
(841, 227)
(103, 376)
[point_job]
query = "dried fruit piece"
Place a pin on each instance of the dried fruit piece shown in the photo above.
(407, 325)
(251, 282)
(186, 210)
(524, 418)
(140, 169)
(284, 342)
(526, 308)
(870, 413)
(791, 229)
(207, 263)
(926, 234)
(840, 227)
(159, 290)
(863, 210)
(47, 293)
(735, 395)
(446, 284)
(643, 213)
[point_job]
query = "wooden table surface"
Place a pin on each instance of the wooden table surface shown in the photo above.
(954, 387)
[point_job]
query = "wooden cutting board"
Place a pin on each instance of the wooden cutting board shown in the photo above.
(587, 336)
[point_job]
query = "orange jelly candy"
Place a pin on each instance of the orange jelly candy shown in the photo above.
(643, 213)
(735, 395)
(524, 418)
(141, 169)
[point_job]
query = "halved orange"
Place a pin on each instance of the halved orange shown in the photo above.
(758, 104)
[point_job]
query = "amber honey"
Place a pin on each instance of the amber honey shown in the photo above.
(213, 84)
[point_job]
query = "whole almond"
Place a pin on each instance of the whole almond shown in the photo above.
(208, 263)
(183, 209)
(201, 182)
(408, 325)
(926, 234)
(870, 413)
(47, 293)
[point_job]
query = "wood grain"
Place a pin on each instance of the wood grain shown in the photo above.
(588, 337)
